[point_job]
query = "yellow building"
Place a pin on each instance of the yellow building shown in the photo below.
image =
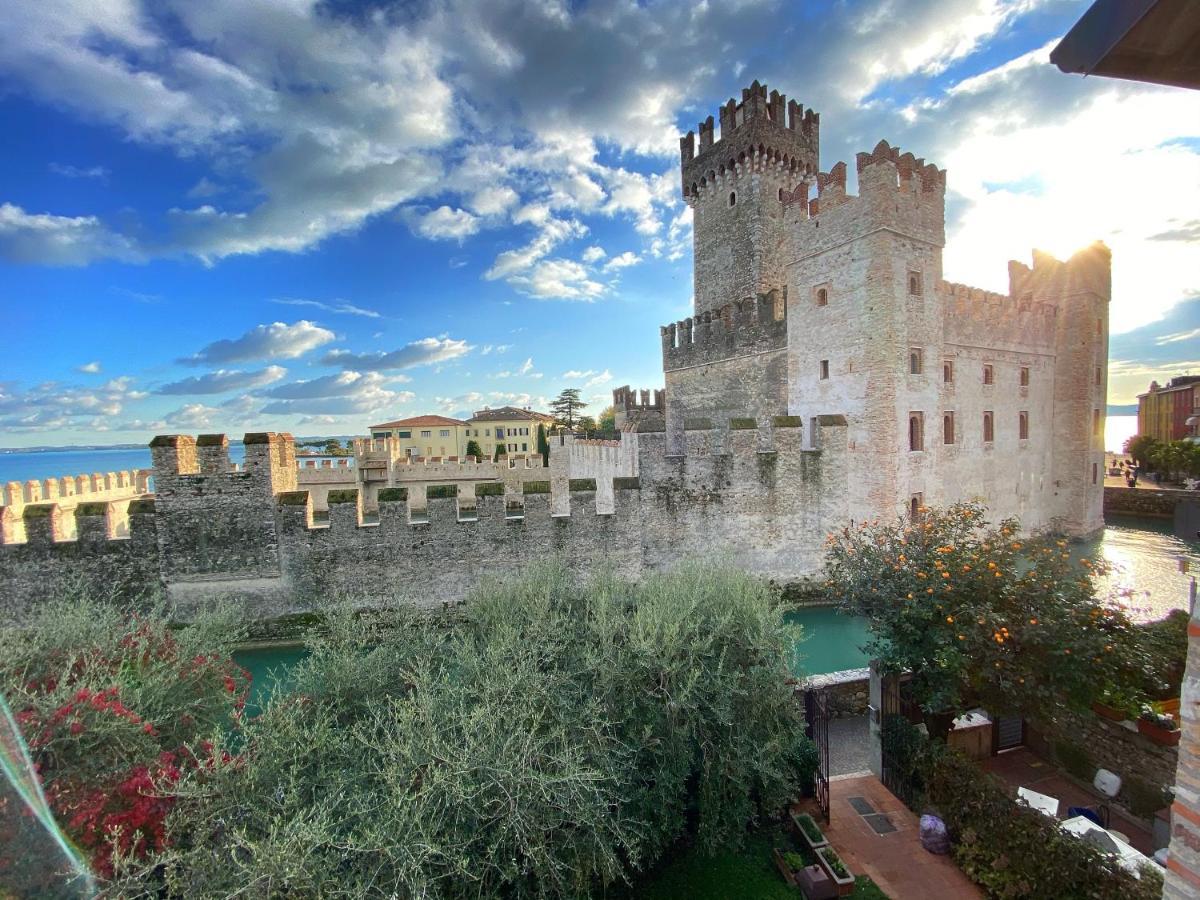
(426, 435)
(510, 427)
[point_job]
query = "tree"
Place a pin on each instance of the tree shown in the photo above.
(1141, 447)
(566, 407)
(586, 424)
(543, 445)
(980, 616)
(501, 450)
(473, 449)
(547, 739)
(608, 418)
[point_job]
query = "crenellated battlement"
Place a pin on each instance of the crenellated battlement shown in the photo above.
(763, 130)
(753, 325)
(914, 174)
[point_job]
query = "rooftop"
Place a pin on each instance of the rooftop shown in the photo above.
(420, 421)
(502, 413)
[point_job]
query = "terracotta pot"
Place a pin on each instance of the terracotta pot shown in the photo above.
(1170, 706)
(1108, 712)
(1157, 734)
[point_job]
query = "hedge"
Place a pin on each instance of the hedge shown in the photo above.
(393, 494)
(441, 491)
(344, 496)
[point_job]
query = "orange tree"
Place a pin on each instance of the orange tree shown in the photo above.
(982, 616)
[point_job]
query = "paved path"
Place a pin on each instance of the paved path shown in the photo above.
(897, 862)
(848, 746)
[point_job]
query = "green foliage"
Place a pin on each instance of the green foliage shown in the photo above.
(342, 496)
(1011, 850)
(981, 616)
(794, 860)
(1144, 799)
(582, 484)
(543, 445)
(1075, 759)
(489, 489)
(501, 450)
(393, 494)
(835, 862)
(743, 424)
(566, 406)
(441, 491)
(586, 424)
(788, 422)
(607, 420)
(1165, 643)
(806, 824)
(473, 449)
(535, 487)
(1171, 458)
(747, 873)
(557, 737)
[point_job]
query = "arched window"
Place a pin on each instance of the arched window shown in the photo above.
(916, 435)
(781, 194)
(732, 197)
(948, 428)
(1023, 426)
(916, 361)
(989, 432)
(915, 505)
(822, 296)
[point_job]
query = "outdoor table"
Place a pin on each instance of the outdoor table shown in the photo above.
(1129, 857)
(1043, 803)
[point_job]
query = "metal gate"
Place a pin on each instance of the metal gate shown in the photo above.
(816, 713)
(895, 702)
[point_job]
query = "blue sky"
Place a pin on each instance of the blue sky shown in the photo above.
(310, 216)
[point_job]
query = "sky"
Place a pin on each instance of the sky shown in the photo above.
(313, 216)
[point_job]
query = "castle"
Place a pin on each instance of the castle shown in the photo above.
(828, 375)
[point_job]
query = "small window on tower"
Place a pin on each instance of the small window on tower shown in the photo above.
(915, 506)
(989, 375)
(1097, 422)
(914, 283)
(1099, 376)
(948, 371)
(732, 198)
(989, 432)
(1023, 426)
(824, 369)
(916, 361)
(916, 431)
(1024, 376)
(948, 428)
(822, 295)
(781, 195)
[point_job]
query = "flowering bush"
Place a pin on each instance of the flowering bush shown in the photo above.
(981, 615)
(1163, 720)
(114, 708)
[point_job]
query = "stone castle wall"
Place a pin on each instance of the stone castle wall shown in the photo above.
(752, 495)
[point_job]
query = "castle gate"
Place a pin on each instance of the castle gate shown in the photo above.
(816, 713)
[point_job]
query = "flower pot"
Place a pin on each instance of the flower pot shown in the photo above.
(784, 869)
(798, 820)
(1108, 712)
(1157, 734)
(843, 883)
(1170, 706)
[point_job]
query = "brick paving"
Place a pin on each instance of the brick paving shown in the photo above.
(897, 862)
(1023, 768)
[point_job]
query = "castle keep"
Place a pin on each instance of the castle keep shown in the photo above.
(828, 375)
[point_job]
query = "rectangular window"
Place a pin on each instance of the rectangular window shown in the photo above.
(914, 283)
(948, 428)
(989, 433)
(1095, 472)
(916, 361)
(445, 432)
(1023, 426)
(404, 434)
(1099, 376)
(487, 432)
(499, 432)
(821, 295)
(824, 369)
(426, 434)
(1024, 376)
(989, 375)
(948, 371)
(524, 447)
(916, 431)
(1097, 422)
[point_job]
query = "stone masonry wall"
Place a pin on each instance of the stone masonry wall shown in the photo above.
(1183, 861)
(1122, 501)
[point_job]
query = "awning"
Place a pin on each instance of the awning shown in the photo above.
(1141, 40)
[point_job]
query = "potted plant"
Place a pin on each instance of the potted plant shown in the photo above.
(1114, 704)
(841, 877)
(789, 863)
(809, 830)
(1162, 728)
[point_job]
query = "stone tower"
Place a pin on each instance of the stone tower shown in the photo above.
(737, 185)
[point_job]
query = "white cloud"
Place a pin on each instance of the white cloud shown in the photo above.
(553, 232)
(417, 353)
(336, 306)
(89, 368)
(592, 254)
(577, 374)
(624, 261)
(59, 240)
(494, 200)
(340, 385)
(100, 173)
(52, 405)
(275, 341)
(557, 279)
(223, 380)
(525, 370)
(596, 380)
(444, 224)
